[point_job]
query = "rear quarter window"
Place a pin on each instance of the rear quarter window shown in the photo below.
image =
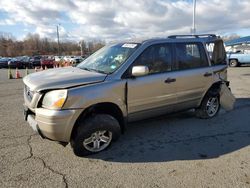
(217, 53)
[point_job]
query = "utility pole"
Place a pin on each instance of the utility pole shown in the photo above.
(58, 43)
(87, 47)
(193, 29)
(81, 47)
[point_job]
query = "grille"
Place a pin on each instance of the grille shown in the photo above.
(28, 93)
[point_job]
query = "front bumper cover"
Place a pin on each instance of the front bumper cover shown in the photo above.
(52, 124)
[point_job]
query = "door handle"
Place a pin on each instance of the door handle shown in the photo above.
(207, 74)
(169, 80)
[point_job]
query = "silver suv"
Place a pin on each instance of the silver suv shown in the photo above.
(90, 105)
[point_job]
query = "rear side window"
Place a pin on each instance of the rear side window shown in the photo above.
(190, 55)
(158, 58)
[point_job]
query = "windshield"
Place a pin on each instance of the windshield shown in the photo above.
(109, 58)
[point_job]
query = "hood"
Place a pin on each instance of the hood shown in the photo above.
(60, 78)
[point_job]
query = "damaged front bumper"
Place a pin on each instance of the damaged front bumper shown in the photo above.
(52, 124)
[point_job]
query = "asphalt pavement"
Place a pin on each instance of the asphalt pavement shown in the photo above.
(176, 150)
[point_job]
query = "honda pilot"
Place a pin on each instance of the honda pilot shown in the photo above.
(90, 105)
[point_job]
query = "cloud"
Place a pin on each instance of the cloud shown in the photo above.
(7, 22)
(119, 19)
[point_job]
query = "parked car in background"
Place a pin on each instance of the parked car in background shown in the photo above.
(35, 61)
(16, 63)
(68, 58)
(25, 60)
(58, 58)
(90, 105)
(76, 60)
(237, 58)
(4, 62)
(47, 61)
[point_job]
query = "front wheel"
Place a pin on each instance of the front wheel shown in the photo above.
(209, 107)
(95, 134)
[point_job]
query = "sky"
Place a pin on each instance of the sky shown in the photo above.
(122, 19)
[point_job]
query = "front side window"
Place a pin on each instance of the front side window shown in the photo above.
(190, 55)
(109, 58)
(158, 58)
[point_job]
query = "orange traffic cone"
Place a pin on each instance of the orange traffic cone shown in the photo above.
(17, 74)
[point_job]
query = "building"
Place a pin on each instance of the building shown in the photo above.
(242, 44)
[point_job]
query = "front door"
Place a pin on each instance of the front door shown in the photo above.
(153, 94)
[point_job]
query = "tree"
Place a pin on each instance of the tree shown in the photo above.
(33, 44)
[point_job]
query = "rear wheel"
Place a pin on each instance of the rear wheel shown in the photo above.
(233, 63)
(95, 134)
(209, 107)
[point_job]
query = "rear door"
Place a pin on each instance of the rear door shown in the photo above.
(193, 74)
(153, 94)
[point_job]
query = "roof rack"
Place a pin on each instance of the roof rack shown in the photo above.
(192, 36)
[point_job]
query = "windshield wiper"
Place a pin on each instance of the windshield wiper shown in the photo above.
(99, 71)
(84, 68)
(93, 70)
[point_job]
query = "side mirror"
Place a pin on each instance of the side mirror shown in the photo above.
(140, 70)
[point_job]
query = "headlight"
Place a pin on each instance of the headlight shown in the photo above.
(54, 99)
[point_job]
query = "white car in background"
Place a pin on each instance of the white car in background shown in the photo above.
(76, 60)
(68, 58)
(58, 58)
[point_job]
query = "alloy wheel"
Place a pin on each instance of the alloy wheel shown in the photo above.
(98, 141)
(212, 106)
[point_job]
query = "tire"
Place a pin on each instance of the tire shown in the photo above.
(210, 106)
(102, 128)
(233, 63)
